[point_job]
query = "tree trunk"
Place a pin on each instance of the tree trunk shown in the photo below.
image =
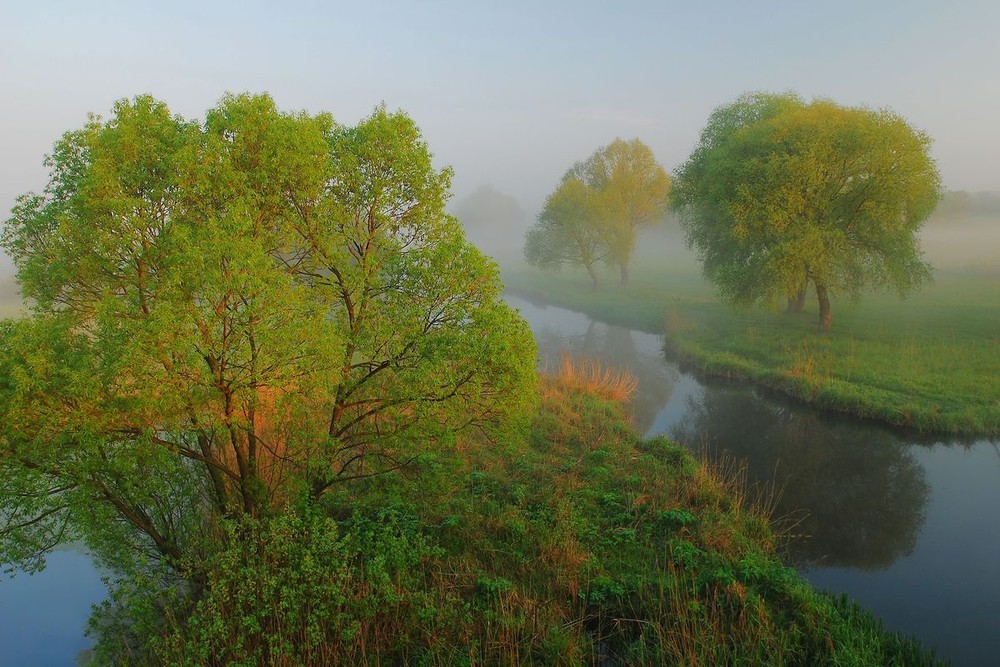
(797, 301)
(593, 276)
(825, 316)
(624, 274)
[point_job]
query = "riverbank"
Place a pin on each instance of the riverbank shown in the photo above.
(930, 363)
(580, 543)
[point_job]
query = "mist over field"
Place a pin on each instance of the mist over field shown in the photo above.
(964, 232)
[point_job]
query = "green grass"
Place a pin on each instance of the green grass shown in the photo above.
(930, 362)
(578, 544)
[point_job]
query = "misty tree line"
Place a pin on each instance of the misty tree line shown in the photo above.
(779, 196)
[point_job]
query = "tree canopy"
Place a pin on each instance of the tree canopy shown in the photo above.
(781, 193)
(230, 314)
(631, 190)
(598, 209)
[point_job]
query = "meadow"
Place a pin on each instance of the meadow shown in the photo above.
(930, 362)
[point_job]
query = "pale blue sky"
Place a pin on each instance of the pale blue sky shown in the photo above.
(508, 93)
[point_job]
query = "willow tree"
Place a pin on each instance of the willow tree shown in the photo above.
(598, 209)
(568, 231)
(780, 194)
(229, 314)
(630, 191)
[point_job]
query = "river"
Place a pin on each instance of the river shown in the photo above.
(905, 525)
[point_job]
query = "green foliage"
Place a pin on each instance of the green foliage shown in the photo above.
(567, 232)
(780, 194)
(229, 313)
(296, 590)
(518, 557)
(598, 209)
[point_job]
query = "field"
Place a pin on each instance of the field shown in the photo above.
(929, 362)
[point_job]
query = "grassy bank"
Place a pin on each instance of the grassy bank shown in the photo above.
(578, 544)
(931, 362)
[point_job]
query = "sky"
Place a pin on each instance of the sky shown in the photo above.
(509, 93)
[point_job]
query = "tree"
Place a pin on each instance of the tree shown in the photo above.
(598, 209)
(232, 314)
(631, 191)
(567, 233)
(779, 194)
(493, 221)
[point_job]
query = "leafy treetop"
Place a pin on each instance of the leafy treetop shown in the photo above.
(230, 313)
(780, 193)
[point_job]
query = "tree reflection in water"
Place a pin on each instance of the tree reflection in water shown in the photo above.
(858, 493)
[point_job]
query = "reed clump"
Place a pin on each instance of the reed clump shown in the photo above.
(591, 375)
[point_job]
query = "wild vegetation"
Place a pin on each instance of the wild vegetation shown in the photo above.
(229, 315)
(930, 363)
(266, 381)
(580, 544)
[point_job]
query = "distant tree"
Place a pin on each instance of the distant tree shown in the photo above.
(568, 231)
(233, 314)
(492, 220)
(780, 194)
(630, 189)
(599, 208)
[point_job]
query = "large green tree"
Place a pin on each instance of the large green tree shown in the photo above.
(230, 314)
(781, 193)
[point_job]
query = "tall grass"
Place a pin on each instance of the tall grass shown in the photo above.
(587, 374)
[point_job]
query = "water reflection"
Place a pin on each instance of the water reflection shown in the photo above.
(905, 525)
(558, 331)
(856, 492)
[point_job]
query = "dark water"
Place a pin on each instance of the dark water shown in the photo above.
(908, 528)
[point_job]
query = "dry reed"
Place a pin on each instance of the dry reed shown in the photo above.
(592, 375)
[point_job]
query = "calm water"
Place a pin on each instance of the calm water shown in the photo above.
(907, 528)
(43, 616)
